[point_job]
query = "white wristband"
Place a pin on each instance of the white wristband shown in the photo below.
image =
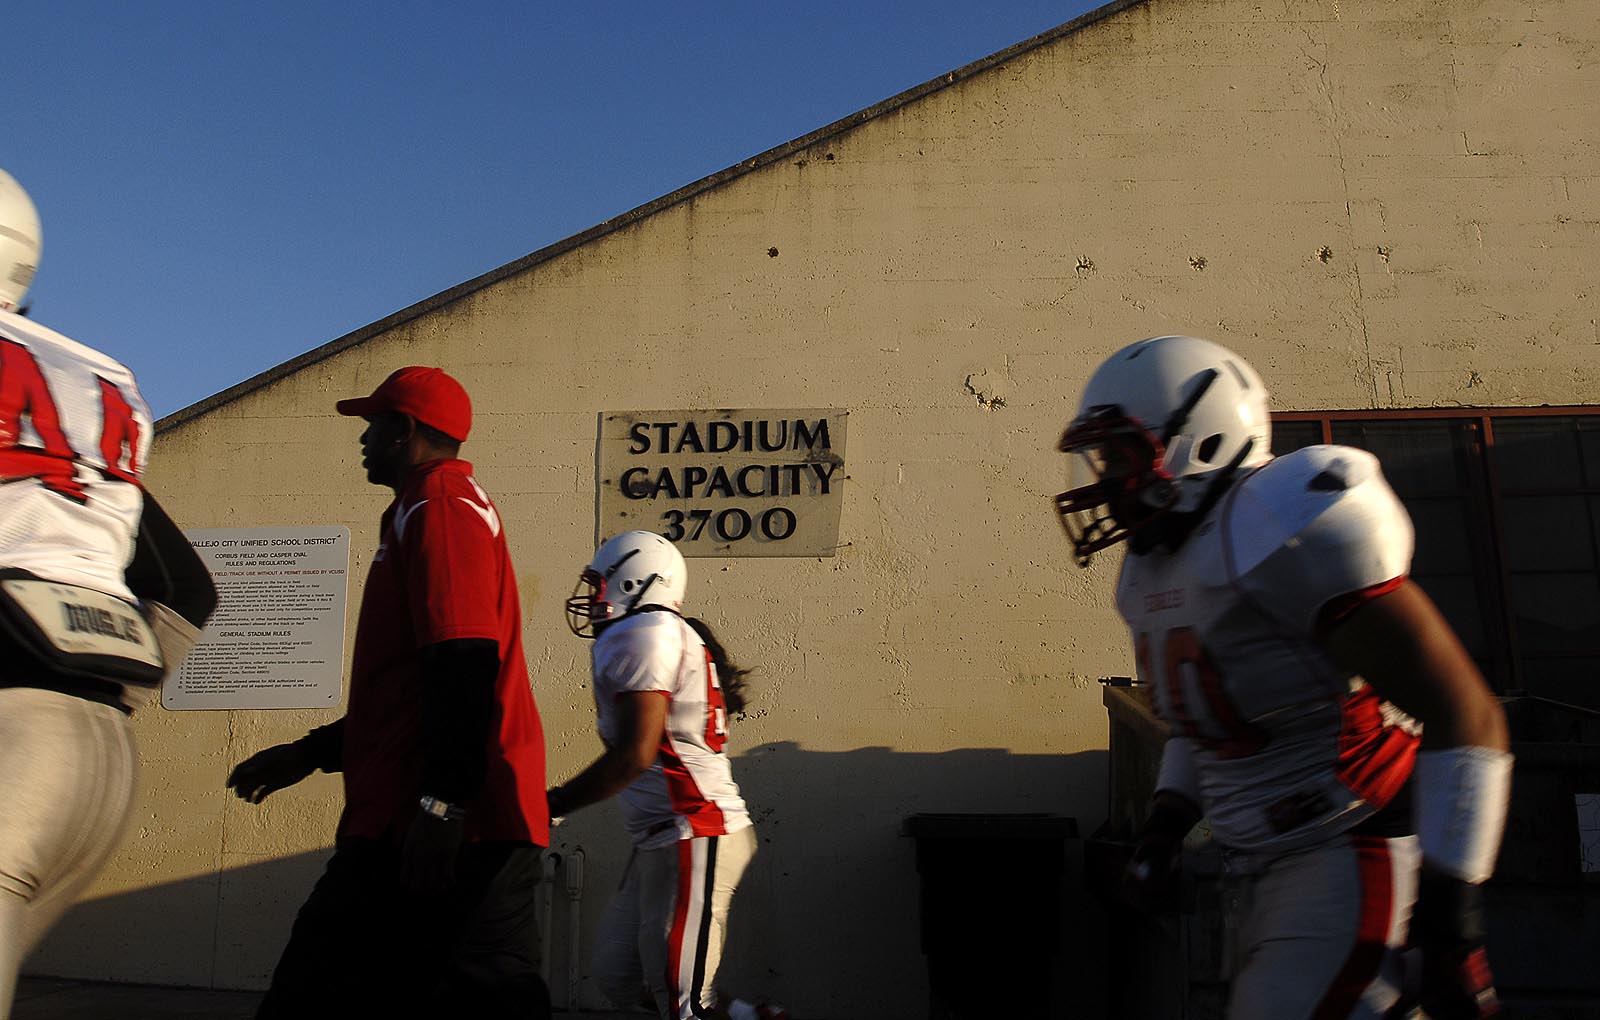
(1178, 772)
(1462, 794)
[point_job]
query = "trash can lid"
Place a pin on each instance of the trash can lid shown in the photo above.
(1037, 825)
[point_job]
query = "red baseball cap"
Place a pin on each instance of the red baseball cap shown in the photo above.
(426, 394)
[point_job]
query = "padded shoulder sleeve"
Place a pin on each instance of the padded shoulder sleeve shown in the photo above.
(639, 654)
(166, 569)
(1310, 527)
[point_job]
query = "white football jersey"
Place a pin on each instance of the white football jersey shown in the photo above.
(74, 436)
(689, 790)
(1288, 748)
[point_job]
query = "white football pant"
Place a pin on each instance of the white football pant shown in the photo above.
(663, 930)
(67, 770)
(1318, 933)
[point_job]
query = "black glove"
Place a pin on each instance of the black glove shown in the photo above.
(1447, 929)
(556, 801)
(1150, 881)
(271, 770)
(428, 855)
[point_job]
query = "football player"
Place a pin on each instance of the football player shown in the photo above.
(100, 597)
(663, 692)
(1293, 661)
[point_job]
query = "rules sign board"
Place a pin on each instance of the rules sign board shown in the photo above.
(277, 637)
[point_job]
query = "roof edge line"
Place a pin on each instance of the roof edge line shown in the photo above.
(634, 215)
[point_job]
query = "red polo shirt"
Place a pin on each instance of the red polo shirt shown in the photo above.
(441, 571)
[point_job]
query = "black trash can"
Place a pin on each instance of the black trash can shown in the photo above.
(991, 887)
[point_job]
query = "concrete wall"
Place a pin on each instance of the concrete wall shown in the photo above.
(1381, 203)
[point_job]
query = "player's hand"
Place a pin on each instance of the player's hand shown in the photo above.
(1457, 985)
(428, 856)
(268, 771)
(1447, 930)
(1150, 881)
(555, 800)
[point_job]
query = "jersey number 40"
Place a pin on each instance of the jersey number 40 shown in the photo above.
(1186, 667)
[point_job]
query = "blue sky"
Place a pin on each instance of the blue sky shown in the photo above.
(226, 185)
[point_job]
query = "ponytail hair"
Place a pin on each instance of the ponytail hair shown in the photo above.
(730, 676)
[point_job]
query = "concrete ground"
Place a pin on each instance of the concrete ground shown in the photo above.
(42, 998)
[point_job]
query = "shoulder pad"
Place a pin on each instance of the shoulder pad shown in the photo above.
(1311, 526)
(32, 333)
(639, 653)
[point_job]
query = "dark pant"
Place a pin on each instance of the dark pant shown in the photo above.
(365, 946)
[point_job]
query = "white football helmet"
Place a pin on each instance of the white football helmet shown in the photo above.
(633, 571)
(20, 242)
(1164, 427)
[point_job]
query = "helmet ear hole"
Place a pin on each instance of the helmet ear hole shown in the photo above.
(1207, 450)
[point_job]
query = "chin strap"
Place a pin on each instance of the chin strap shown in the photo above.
(1180, 415)
(1174, 527)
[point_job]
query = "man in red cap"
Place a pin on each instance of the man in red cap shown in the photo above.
(427, 904)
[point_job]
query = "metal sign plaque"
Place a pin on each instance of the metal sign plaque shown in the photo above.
(277, 637)
(725, 482)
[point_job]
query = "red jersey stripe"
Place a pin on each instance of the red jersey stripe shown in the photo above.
(1375, 759)
(1335, 610)
(705, 818)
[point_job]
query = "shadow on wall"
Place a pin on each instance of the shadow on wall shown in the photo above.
(236, 921)
(826, 921)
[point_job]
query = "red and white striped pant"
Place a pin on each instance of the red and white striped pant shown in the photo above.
(1317, 934)
(662, 931)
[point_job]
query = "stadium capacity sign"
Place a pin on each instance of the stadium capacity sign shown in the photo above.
(725, 482)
